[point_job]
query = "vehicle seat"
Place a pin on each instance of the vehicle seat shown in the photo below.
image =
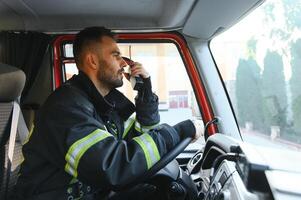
(12, 81)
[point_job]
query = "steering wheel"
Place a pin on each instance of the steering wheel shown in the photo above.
(130, 189)
(167, 158)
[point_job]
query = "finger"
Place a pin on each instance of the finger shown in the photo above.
(140, 72)
(127, 76)
(136, 71)
(137, 63)
(136, 67)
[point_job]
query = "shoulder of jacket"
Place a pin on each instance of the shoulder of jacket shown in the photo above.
(69, 95)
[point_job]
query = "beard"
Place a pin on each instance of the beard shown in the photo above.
(109, 79)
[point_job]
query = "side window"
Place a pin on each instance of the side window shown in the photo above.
(260, 62)
(69, 66)
(169, 78)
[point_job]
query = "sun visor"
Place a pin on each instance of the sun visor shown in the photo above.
(210, 17)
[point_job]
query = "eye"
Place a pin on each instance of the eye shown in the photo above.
(117, 55)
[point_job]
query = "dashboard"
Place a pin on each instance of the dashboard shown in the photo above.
(229, 169)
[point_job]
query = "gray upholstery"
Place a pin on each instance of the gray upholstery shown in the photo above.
(10, 181)
(5, 112)
(12, 82)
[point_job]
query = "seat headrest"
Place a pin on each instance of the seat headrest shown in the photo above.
(12, 81)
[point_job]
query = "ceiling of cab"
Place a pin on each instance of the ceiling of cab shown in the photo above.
(61, 15)
(196, 18)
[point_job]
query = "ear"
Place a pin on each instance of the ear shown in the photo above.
(92, 60)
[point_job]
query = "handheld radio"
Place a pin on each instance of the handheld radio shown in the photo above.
(136, 81)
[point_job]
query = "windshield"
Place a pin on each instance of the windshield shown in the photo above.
(260, 62)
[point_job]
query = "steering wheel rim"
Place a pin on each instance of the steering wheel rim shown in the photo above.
(167, 158)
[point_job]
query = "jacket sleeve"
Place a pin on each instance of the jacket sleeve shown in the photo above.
(96, 157)
(146, 116)
(147, 113)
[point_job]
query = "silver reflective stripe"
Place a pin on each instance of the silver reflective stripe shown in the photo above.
(70, 170)
(143, 129)
(128, 124)
(77, 150)
(149, 148)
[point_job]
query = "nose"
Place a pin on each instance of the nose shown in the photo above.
(123, 63)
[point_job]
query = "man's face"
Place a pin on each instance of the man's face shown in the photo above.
(110, 69)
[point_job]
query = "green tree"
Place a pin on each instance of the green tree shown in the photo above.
(274, 90)
(283, 36)
(248, 93)
(295, 84)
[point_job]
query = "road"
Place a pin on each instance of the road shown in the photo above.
(257, 139)
(264, 140)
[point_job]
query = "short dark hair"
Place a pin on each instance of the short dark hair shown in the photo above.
(85, 37)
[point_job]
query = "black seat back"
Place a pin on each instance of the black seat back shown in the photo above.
(12, 81)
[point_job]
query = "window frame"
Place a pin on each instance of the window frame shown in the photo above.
(170, 37)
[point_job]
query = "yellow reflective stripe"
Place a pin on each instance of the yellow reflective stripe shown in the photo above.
(142, 129)
(127, 126)
(145, 151)
(73, 180)
(138, 127)
(77, 150)
(26, 140)
(70, 170)
(29, 135)
(150, 140)
(149, 148)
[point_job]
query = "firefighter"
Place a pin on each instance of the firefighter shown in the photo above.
(88, 138)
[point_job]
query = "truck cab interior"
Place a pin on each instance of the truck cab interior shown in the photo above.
(229, 63)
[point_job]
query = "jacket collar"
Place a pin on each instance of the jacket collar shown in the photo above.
(115, 100)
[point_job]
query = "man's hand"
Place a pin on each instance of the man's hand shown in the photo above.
(199, 129)
(137, 69)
